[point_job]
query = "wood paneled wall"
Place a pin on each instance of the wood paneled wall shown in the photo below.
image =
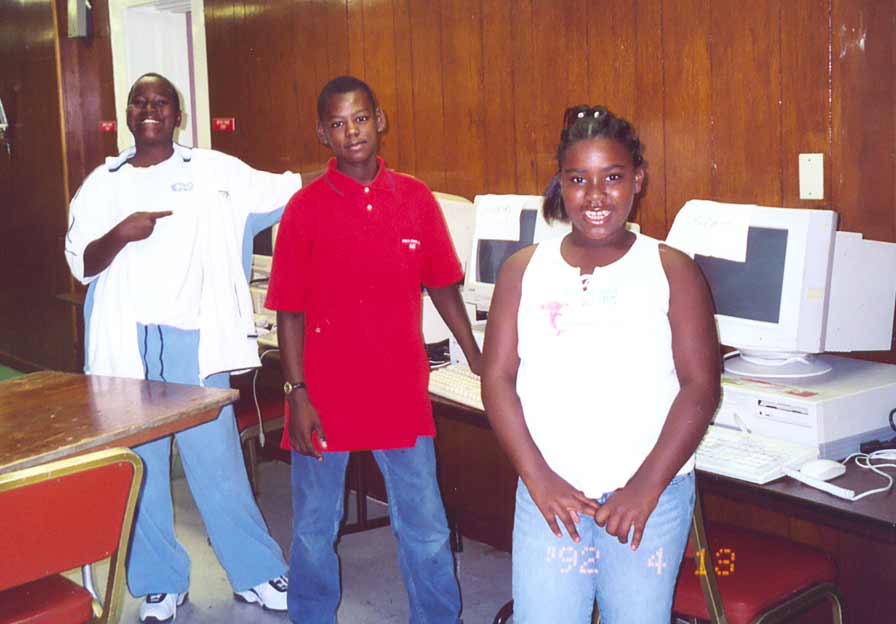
(726, 94)
(34, 328)
(87, 95)
(55, 91)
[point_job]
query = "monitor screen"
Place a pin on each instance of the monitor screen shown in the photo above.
(751, 289)
(491, 253)
(263, 243)
(258, 251)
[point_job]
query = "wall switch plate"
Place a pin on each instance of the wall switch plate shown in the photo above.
(811, 176)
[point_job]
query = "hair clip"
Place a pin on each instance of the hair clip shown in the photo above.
(575, 113)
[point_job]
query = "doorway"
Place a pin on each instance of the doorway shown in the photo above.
(166, 37)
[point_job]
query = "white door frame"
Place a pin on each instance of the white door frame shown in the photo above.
(125, 70)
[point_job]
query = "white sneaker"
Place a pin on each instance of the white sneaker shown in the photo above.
(158, 608)
(270, 595)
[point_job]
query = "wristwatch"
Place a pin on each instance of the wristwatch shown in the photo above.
(288, 387)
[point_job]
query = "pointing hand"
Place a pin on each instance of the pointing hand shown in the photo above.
(140, 225)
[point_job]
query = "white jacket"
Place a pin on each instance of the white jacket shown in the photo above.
(226, 191)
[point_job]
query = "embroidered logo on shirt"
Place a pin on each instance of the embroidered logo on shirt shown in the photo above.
(179, 187)
(410, 243)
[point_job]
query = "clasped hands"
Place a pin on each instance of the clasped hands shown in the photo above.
(628, 508)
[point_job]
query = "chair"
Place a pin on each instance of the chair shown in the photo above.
(737, 576)
(57, 517)
(250, 426)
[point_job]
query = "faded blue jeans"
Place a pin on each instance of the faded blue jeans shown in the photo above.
(557, 580)
(213, 464)
(418, 521)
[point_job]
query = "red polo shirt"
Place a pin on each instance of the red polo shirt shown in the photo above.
(353, 258)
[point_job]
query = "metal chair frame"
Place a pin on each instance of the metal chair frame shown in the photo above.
(250, 442)
(108, 609)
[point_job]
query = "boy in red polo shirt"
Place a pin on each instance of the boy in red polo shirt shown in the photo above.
(353, 251)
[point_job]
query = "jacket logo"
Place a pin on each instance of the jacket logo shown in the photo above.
(410, 243)
(179, 187)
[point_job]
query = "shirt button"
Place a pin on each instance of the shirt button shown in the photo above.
(366, 189)
(369, 207)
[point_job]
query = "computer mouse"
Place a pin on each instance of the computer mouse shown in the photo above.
(823, 469)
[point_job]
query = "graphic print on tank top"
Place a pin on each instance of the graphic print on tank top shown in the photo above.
(577, 311)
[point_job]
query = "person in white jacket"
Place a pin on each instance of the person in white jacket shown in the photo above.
(157, 232)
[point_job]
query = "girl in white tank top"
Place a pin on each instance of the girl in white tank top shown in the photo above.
(601, 369)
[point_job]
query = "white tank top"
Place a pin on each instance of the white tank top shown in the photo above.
(596, 377)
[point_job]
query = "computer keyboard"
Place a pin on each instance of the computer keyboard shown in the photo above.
(457, 383)
(265, 319)
(269, 340)
(749, 457)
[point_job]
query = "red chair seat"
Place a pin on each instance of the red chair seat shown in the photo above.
(50, 600)
(765, 571)
(271, 404)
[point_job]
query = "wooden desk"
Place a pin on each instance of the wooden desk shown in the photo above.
(50, 415)
(874, 516)
(478, 486)
(477, 480)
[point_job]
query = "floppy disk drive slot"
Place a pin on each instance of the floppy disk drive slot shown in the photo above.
(784, 413)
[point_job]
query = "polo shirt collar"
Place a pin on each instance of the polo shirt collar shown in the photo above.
(344, 185)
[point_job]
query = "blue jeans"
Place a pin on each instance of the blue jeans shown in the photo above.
(213, 464)
(418, 521)
(557, 580)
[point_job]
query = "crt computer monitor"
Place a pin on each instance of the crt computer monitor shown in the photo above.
(504, 225)
(261, 248)
(459, 217)
(769, 270)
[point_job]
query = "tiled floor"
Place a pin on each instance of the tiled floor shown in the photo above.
(372, 589)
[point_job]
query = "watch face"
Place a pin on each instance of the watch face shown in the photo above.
(288, 387)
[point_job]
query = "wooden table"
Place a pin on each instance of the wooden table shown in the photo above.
(51, 415)
(874, 516)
